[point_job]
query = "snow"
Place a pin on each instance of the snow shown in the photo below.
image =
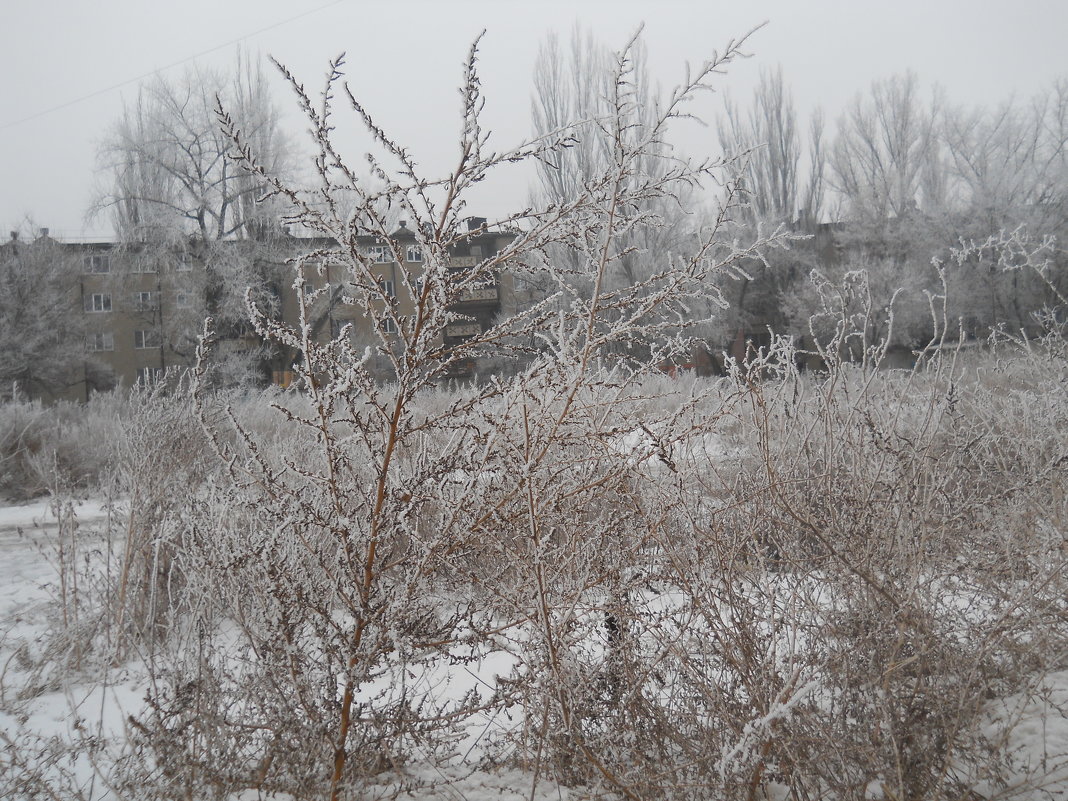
(1039, 739)
(38, 704)
(427, 784)
(644, 446)
(27, 535)
(42, 513)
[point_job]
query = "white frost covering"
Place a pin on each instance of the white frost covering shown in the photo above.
(644, 445)
(42, 513)
(58, 708)
(1038, 737)
(34, 709)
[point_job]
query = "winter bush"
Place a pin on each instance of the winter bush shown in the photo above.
(67, 442)
(345, 571)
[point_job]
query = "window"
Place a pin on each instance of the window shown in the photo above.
(97, 263)
(149, 376)
(381, 254)
(182, 300)
(476, 251)
(388, 325)
(309, 289)
(413, 253)
(387, 287)
(103, 341)
(337, 326)
(149, 338)
(146, 301)
(99, 302)
(144, 265)
(184, 262)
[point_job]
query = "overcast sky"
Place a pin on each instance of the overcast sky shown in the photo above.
(68, 65)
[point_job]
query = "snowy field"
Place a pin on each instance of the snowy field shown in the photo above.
(47, 717)
(61, 728)
(844, 587)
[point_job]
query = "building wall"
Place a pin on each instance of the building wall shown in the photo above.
(142, 315)
(324, 289)
(143, 308)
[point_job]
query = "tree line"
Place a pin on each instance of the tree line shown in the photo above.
(905, 175)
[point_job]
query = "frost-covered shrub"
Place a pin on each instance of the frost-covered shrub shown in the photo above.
(818, 584)
(68, 443)
(331, 582)
(916, 510)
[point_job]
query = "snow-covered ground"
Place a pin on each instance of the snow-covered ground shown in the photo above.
(28, 542)
(39, 709)
(38, 706)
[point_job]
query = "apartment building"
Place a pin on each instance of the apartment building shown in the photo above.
(141, 307)
(399, 263)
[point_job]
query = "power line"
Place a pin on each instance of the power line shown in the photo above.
(186, 60)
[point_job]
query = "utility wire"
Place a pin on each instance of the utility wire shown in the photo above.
(186, 60)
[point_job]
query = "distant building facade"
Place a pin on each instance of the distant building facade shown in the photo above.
(324, 288)
(142, 307)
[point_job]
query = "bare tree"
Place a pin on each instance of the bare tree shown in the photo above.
(570, 90)
(1012, 157)
(885, 144)
(175, 187)
(774, 175)
(575, 99)
(781, 183)
(814, 196)
(41, 324)
(1009, 168)
(172, 175)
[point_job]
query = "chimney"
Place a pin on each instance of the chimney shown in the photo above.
(404, 224)
(14, 236)
(44, 233)
(474, 223)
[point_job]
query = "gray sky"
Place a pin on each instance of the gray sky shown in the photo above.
(68, 65)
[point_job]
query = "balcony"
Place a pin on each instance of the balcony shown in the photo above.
(460, 330)
(482, 294)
